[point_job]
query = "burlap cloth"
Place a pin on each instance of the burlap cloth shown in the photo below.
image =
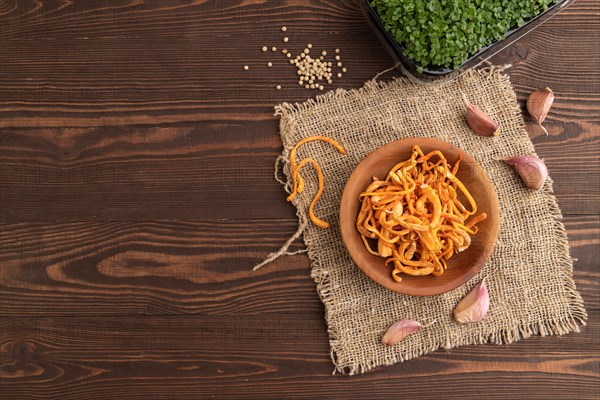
(530, 272)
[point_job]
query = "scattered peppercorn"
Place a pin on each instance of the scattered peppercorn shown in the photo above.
(312, 73)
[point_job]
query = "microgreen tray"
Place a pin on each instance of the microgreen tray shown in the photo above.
(427, 73)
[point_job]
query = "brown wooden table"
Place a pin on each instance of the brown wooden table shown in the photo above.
(137, 192)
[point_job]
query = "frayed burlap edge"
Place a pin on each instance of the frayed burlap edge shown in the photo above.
(343, 362)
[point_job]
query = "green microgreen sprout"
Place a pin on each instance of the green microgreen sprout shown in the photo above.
(445, 33)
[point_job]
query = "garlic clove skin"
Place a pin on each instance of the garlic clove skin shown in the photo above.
(480, 122)
(539, 104)
(400, 330)
(474, 306)
(532, 170)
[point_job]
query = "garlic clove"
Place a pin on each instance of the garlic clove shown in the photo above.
(532, 170)
(474, 306)
(480, 122)
(400, 330)
(539, 103)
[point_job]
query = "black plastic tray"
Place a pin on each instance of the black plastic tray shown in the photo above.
(429, 73)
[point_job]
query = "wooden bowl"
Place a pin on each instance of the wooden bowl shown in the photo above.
(462, 266)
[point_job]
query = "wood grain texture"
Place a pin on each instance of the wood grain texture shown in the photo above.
(70, 64)
(137, 190)
(217, 169)
(270, 357)
(183, 267)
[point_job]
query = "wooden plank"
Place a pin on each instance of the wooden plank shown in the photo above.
(151, 267)
(183, 267)
(94, 65)
(216, 169)
(270, 356)
(583, 148)
(170, 83)
(219, 169)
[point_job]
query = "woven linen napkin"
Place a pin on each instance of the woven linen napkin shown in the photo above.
(529, 275)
